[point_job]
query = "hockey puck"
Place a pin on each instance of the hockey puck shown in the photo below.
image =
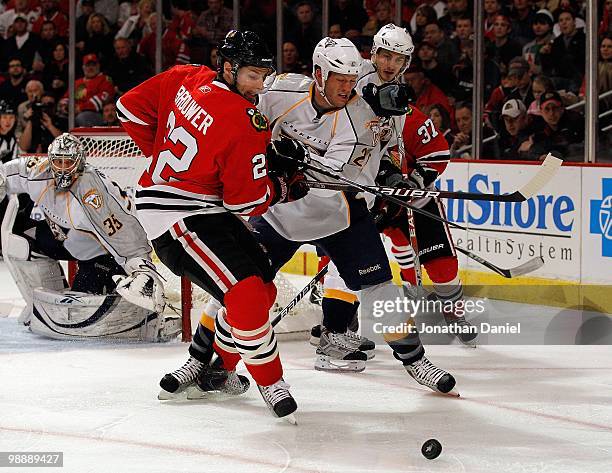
(431, 449)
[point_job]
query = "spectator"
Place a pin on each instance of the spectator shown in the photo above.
(8, 17)
(308, 32)
(523, 15)
(126, 9)
(567, 5)
(214, 56)
(291, 59)
(335, 31)
(515, 131)
(519, 70)
(540, 85)
(564, 59)
(499, 96)
(55, 74)
(461, 147)
(605, 26)
(441, 120)
(448, 52)
(109, 115)
(22, 44)
(463, 28)
(542, 29)
(108, 8)
(349, 14)
(463, 71)
(178, 32)
(42, 126)
(127, 68)
(438, 7)
(503, 49)
(136, 26)
(439, 74)
(424, 15)
(383, 15)
(48, 39)
(212, 25)
(34, 90)
(456, 10)
(87, 8)
(13, 89)
(99, 40)
(563, 131)
(492, 8)
(50, 12)
(91, 91)
(427, 93)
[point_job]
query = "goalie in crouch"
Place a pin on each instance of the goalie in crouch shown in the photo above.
(88, 218)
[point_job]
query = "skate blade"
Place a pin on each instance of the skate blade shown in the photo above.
(195, 392)
(452, 393)
(326, 363)
(168, 396)
(290, 418)
(370, 354)
(314, 341)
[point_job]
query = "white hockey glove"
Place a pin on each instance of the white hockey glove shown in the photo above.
(143, 287)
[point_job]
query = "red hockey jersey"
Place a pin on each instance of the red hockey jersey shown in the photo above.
(423, 143)
(207, 146)
(91, 94)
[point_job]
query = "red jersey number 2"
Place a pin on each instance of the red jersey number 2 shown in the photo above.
(168, 158)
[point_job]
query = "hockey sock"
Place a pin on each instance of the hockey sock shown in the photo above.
(224, 343)
(403, 253)
(447, 285)
(338, 309)
(251, 332)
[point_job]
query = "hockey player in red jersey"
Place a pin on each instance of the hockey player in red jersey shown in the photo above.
(208, 147)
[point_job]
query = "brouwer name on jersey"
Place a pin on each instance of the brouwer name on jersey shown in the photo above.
(192, 111)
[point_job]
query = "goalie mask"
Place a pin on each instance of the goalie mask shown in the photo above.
(395, 39)
(67, 160)
(242, 49)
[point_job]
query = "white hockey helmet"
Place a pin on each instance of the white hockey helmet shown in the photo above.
(67, 159)
(396, 39)
(335, 55)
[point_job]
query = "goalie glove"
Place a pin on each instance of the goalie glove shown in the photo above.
(143, 287)
(388, 100)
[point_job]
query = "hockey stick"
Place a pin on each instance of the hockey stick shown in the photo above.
(545, 173)
(526, 267)
(299, 296)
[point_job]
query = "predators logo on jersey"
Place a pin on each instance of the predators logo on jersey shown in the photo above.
(259, 122)
(93, 198)
(381, 131)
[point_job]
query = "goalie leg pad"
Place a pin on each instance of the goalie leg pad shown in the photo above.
(76, 315)
(251, 331)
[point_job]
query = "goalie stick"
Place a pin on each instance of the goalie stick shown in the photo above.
(544, 174)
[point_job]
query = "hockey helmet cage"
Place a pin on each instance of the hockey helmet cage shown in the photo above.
(67, 160)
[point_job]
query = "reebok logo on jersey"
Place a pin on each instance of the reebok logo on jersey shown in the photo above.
(93, 198)
(371, 269)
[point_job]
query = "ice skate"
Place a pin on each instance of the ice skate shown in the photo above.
(215, 379)
(337, 353)
(362, 343)
(427, 374)
(176, 382)
(279, 400)
(462, 329)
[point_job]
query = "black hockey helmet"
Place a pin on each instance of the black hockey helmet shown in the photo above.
(244, 48)
(7, 108)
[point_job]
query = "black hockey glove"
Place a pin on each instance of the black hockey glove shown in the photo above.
(288, 189)
(286, 157)
(390, 99)
(386, 214)
(390, 176)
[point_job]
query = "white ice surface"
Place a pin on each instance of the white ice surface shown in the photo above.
(523, 409)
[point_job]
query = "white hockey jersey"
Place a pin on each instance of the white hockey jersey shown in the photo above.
(92, 218)
(350, 141)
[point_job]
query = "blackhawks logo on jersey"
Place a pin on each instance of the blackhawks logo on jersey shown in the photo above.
(259, 122)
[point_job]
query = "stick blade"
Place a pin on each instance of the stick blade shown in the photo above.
(546, 171)
(527, 267)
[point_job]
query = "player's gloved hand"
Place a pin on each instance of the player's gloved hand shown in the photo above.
(286, 156)
(289, 189)
(143, 287)
(386, 214)
(389, 99)
(422, 177)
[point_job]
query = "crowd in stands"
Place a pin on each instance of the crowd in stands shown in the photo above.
(534, 60)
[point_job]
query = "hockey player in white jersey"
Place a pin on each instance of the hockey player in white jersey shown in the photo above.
(425, 157)
(88, 218)
(342, 133)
